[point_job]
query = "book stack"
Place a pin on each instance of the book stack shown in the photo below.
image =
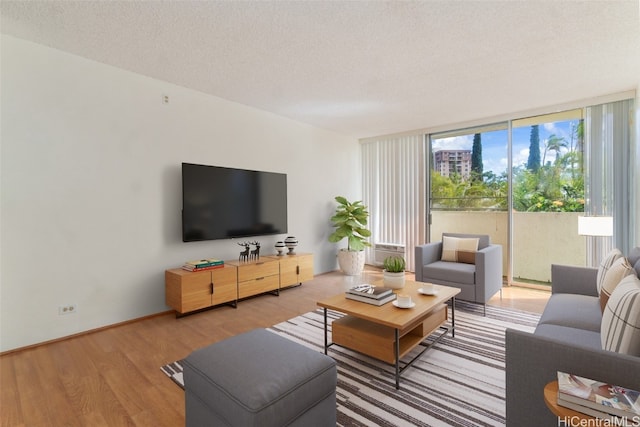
(376, 295)
(600, 400)
(203, 264)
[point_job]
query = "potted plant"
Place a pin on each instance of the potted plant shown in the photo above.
(350, 220)
(393, 273)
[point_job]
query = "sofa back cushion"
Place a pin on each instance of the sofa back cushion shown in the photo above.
(634, 255)
(605, 265)
(618, 271)
(456, 249)
(634, 259)
(620, 328)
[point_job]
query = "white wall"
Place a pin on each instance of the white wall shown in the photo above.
(91, 187)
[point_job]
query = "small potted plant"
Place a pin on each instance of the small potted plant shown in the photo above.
(393, 273)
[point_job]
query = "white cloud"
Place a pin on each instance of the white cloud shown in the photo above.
(455, 143)
(521, 156)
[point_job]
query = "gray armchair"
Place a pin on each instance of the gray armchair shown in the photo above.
(478, 282)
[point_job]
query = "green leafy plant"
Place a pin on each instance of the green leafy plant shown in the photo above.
(350, 221)
(394, 264)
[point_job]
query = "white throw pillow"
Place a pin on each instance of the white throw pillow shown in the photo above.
(620, 328)
(605, 265)
(457, 249)
(618, 271)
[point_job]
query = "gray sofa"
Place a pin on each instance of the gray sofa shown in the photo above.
(566, 339)
(477, 282)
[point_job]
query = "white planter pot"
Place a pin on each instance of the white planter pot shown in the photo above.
(351, 262)
(393, 280)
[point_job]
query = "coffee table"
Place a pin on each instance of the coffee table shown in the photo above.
(389, 333)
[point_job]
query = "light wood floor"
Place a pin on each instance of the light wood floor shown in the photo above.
(112, 377)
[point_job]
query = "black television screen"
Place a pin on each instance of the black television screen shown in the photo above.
(222, 203)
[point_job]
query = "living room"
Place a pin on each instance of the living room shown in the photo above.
(91, 154)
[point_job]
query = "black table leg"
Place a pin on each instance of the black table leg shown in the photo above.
(453, 317)
(397, 354)
(326, 343)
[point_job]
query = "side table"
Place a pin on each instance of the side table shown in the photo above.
(567, 415)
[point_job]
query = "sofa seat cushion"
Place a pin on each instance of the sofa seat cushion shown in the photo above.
(450, 272)
(571, 336)
(573, 311)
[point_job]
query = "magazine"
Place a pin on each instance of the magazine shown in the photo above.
(602, 397)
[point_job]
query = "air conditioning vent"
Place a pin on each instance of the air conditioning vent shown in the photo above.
(383, 250)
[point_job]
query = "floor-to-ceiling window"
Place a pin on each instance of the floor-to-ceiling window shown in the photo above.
(547, 194)
(535, 217)
(524, 182)
(468, 190)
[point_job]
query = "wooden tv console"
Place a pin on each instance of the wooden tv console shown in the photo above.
(189, 292)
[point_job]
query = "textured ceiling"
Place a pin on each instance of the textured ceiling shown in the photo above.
(356, 67)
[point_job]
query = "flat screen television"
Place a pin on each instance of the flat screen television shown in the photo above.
(224, 203)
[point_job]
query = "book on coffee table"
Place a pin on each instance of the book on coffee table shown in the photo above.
(369, 291)
(369, 300)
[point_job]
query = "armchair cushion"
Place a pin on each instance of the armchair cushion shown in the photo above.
(457, 249)
(450, 272)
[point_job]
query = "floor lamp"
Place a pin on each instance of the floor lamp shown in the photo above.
(599, 228)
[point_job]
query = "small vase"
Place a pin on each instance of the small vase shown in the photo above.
(291, 242)
(280, 248)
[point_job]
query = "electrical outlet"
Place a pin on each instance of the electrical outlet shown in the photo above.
(67, 309)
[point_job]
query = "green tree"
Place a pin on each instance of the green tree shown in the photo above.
(533, 162)
(554, 143)
(476, 158)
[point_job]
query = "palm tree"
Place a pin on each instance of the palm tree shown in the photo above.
(554, 143)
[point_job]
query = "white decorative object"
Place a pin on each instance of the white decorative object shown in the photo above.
(351, 262)
(393, 280)
(280, 247)
(291, 242)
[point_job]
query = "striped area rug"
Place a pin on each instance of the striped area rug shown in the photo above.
(458, 382)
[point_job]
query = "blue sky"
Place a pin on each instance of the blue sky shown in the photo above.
(494, 144)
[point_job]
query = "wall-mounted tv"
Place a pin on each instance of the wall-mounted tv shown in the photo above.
(223, 203)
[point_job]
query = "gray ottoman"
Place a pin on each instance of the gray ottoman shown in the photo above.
(259, 379)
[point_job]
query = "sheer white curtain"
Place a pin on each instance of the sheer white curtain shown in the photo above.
(394, 190)
(609, 175)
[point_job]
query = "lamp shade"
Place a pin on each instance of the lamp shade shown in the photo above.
(595, 225)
